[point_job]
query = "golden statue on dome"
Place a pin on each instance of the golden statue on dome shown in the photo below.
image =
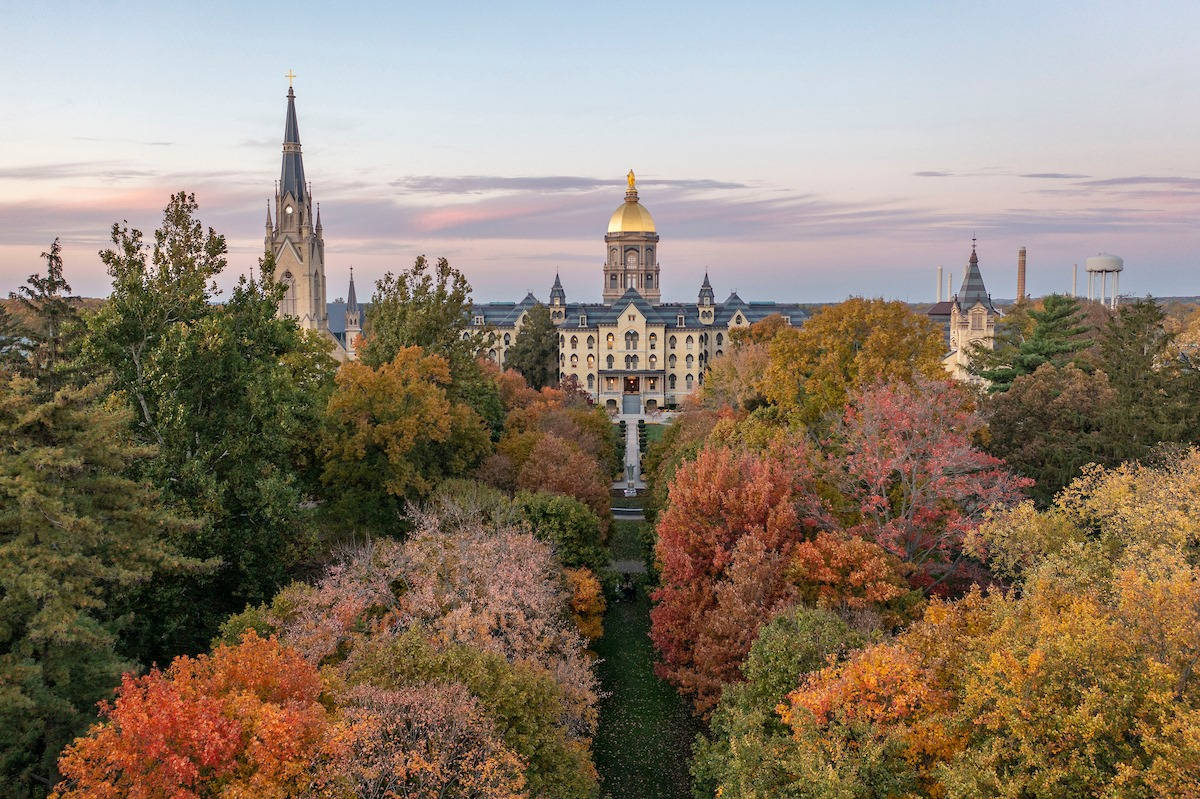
(629, 178)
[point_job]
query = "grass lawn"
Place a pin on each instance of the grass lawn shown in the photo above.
(626, 541)
(619, 501)
(654, 432)
(645, 738)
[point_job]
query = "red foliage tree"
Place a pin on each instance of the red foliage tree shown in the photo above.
(244, 721)
(557, 466)
(903, 454)
(724, 546)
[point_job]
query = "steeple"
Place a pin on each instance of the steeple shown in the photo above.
(351, 298)
(353, 319)
(557, 295)
(291, 176)
(319, 222)
(268, 217)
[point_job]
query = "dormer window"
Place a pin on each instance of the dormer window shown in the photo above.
(583, 320)
(478, 320)
(787, 320)
(679, 320)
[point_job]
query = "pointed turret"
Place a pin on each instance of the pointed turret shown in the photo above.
(319, 224)
(269, 228)
(351, 298)
(706, 292)
(291, 177)
(557, 295)
(972, 289)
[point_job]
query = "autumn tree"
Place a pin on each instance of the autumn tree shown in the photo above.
(735, 379)
(76, 535)
(244, 721)
(429, 306)
(725, 544)
(568, 525)
(742, 755)
(393, 432)
(558, 466)
(534, 352)
(904, 457)
(846, 347)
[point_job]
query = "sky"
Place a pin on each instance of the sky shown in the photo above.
(796, 151)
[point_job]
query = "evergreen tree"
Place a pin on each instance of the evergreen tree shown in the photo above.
(534, 353)
(54, 326)
(14, 343)
(1057, 334)
(75, 535)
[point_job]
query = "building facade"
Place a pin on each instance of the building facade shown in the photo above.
(631, 352)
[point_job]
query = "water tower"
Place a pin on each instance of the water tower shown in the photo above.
(1102, 266)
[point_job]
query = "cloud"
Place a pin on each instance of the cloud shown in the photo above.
(1054, 175)
(933, 174)
(125, 141)
(480, 184)
(108, 170)
(1144, 180)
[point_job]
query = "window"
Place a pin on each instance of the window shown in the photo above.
(610, 383)
(632, 317)
(591, 361)
(653, 341)
(631, 259)
(720, 339)
(691, 342)
(562, 341)
(635, 362)
(631, 281)
(492, 354)
(671, 382)
(612, 280)
(507, 339)
(610, 362)
(649, 280)
(591, 342)
(653, 361)
(719, 353)
(574, 342)
(583, 322)
(652, 382)
(478, 320)
(976, 320)
(631, 340)
(574, 361)
(628, 362)
(690, 361)
(610, 339)
(672, 342)
(687, 380)
(671, 361)
(787, 320)
(679, 320)
(591, 380)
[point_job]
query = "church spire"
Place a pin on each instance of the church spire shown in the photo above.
(291, 177)
(557, 295)
(351, 298)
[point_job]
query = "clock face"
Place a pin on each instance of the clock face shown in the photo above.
(287, 209)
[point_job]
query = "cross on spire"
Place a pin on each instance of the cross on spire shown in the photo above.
(291, 76)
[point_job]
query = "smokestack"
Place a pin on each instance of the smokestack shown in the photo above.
(950, 287)
(1021, 275)
(1075, 280)
(939, 290)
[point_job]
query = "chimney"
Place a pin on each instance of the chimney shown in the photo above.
(1021, 275)
(1075, 280)
(939, 290)
(949, 287)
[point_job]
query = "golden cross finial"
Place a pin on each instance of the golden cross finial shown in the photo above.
(629, 178)
(291, 76)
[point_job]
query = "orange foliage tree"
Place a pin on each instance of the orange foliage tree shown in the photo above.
(245, 721)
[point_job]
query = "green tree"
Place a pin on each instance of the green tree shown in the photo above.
(739, 757)
(230, 395)
(54, 326)
(14, 344)
(534, 352)
(1056, 335)
(568, 525)
(431, 309)
(76, 535)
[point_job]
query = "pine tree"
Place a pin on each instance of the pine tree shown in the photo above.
(14, 345)
(534, 352)
(75, 535)
(1057, 334)
(55, 323)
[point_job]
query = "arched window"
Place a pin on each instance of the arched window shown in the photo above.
(653, 361)
(977, 320)
(628, 362)
(612, 280)
(591, 381)
(690, 361)
(574, 361)
(671, 381)
(610, 362)
(720, 339)
(574, 342)
(562, 341)
(631, 340)
(653, 338)
(562, 359)
(719, 353)
(703, 339)
(671, 361)
(591, 361)
(610, 340)
(691, 342)
(635, 362)
(649, 280)
(687, 380)
(672, 342)
(562, 376)
(492, 354)
(507, 339)
(591, 342)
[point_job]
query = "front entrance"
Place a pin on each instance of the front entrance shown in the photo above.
(632, 385)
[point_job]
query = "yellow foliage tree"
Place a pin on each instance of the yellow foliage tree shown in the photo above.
(847, 346)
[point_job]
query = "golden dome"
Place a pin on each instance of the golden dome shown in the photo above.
(631, 217)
